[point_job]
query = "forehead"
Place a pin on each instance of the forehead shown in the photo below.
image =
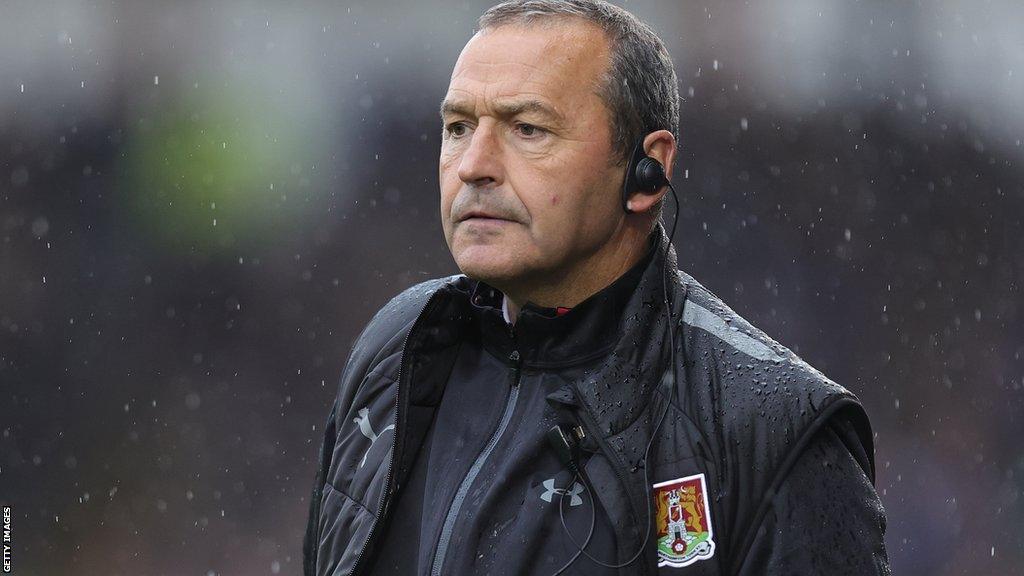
(559, 62)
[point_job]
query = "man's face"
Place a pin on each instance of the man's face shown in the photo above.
(528, 186)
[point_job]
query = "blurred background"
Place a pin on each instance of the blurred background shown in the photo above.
(201, 204)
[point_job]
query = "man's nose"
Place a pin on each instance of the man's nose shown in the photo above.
(480, 164)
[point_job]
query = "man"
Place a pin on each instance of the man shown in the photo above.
(573, 403)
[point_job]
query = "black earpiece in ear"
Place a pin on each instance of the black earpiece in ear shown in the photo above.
(650, 175)
(644, 174)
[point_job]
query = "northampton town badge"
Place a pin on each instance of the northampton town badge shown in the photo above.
(684, 521)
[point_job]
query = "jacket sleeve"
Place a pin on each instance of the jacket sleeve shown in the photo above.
(309, 542)
(383, 335)
(825, 517)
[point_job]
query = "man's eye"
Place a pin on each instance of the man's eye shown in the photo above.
(529, 130)
(456, 129)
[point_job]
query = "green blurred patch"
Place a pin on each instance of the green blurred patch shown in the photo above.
(215, 170)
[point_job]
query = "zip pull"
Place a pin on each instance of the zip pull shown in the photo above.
(516, 360)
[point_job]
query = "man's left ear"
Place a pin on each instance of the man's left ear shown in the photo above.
(660, 145)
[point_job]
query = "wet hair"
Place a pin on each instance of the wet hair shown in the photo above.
(639, 88)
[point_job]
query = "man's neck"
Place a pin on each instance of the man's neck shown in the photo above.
(585, 280)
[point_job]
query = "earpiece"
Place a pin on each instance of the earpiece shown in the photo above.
(650, 175)
(644, 174)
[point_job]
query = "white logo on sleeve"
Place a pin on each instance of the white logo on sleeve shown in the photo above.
(367, 429)
(574, 492)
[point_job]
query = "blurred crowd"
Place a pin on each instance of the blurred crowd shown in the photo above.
(201, 206)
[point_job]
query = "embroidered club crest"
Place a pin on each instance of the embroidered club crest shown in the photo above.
(683, 519)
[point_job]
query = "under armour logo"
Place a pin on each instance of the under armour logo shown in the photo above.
(367, 429)
(575, 492)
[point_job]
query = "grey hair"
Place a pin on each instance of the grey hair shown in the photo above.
(640, 87)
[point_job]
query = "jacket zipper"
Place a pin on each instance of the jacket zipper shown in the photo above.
(474, 470)
(385, 497)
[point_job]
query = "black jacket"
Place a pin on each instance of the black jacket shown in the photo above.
(760, 465)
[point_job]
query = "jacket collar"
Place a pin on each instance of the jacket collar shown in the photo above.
(623, 316)
(546, 339)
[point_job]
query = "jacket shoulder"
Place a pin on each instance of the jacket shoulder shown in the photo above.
(756, 379)
(766, 402)
(385, 332)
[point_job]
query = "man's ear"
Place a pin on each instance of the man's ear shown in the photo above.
(660, 145)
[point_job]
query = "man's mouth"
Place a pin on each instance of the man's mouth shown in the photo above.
(482, 217)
